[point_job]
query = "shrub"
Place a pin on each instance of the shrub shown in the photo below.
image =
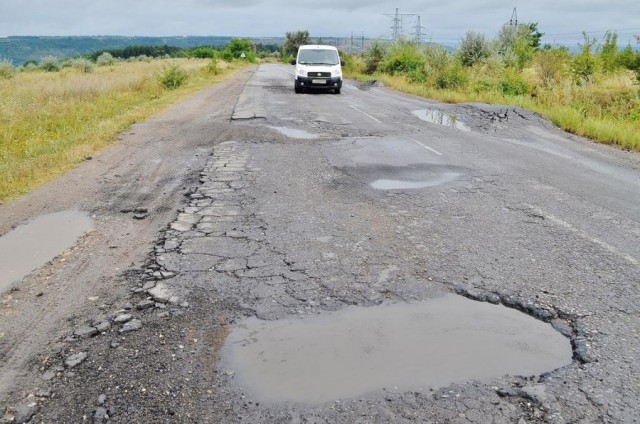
(452, 77)
(204, 53)
(172, 76)
(226, 55)
(417, 76)
(105, 59)
(6, 69)
(436, 59)
(552, 65)
(512, 84)
(352, 64)
(585, 65)
(237, 47)
(374, 56)
(404, 58)
(213, 67)
(143, 58)
(30, 66)
(83, 65)
(293, 41)
(608, 52)
(473, 48)
(50, 64)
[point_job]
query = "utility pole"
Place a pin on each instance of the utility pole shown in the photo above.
(419, 31)
(351, 45)
(396, 20)
(514, 18)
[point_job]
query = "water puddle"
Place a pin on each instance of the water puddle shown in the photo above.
(437, 180)
(31, 245)
(295, 133)
(415, 346)
(435, 116)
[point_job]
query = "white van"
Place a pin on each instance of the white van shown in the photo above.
(318, 67)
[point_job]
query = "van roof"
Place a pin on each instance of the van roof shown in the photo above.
(317, 46)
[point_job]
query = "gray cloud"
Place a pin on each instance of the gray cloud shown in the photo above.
(444, 21)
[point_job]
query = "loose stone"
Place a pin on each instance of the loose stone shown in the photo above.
(86, 332)
(75, 360)
(145, 304)
(123, 318)
(25, 412)
(132, 325)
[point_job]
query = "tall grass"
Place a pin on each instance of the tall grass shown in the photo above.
(50, 121)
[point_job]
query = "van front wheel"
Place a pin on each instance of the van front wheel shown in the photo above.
(336, 90)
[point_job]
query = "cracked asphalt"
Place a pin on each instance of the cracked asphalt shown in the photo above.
(306, 204)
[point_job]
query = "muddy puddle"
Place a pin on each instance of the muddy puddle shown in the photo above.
(29, 246)
(435, 116)
(295, 133)
(384, 184)
(360, 350)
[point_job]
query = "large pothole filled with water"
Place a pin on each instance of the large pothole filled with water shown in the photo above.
(360, 350)
(435, 116)
(29, 246)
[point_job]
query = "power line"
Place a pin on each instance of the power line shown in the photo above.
(397, 19)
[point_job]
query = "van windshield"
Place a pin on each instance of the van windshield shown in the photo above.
(318, 57)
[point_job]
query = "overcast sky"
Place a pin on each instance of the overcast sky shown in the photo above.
(443, 21)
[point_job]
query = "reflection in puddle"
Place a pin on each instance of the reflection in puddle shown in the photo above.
(360, 350)
(30, 246)
(294, 133)
(437, 180)
(437, 117)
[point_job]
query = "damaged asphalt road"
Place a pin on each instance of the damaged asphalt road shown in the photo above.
(306, 206)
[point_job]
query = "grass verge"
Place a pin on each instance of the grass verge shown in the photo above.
(51, 121)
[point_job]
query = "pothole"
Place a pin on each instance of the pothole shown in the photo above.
(29, 246)
(360, 350)
(384, 184)
(411, 177)
(435, 116)
(295, 133)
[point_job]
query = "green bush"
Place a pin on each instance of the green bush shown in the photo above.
(83, 65)
(608, 52)
(237, 47)
(436, 59)
(483, 86)
(586, 65)
(172, 76)
(213, 67)
(404, 58)
(105, 59)
(452, 77)
(417, 76)
(204, 53)
(6, 69)
(473, 48)
(50, 64)
(374, 56)
(552, 65)
(512, 84)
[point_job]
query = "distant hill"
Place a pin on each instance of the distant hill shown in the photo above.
(20, 49)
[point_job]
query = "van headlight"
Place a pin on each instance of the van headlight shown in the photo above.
(336, 73)
(301, 72)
